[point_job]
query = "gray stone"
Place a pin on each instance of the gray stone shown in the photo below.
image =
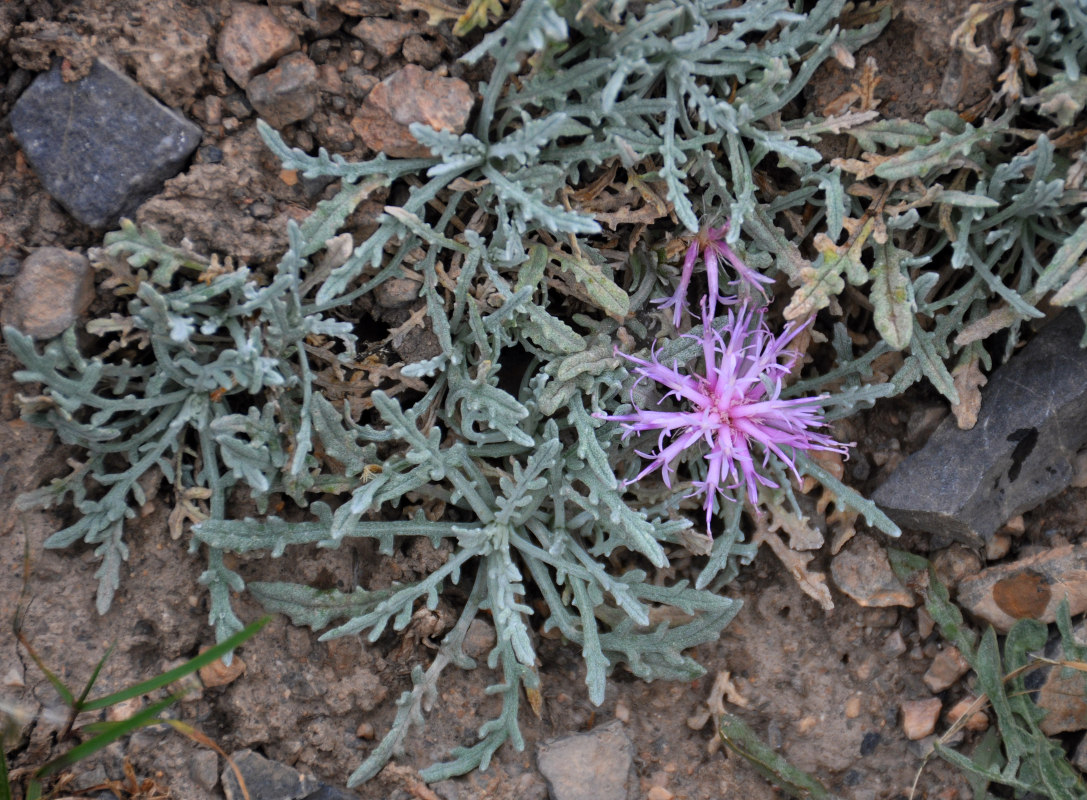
(53, 287)
(266, 779)
(588, 766)
(328, 792)
(1022, 451)
(204, 768)
(101, 145)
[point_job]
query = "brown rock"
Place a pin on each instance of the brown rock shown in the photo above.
(1064, 699)
(588, 766)
(925, 624)
(329, 80)
(53, 288)
(997, 547)
(287, 93)
(863, 572)
(397, 292)
(219, 674)
(383, 35)
(1032, 588)
(946, 668)
(919, 717)
(954, 563)
(1063, 691)
(978, 721)
(251, 40)
(126, 709)
(412, 95)
(422, 51)
(168, 61)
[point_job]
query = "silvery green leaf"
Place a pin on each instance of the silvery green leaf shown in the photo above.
(892, 295)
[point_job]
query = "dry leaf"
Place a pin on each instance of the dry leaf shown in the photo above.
(862, 93)
(813, 584)
(996, 320)
(968, 383)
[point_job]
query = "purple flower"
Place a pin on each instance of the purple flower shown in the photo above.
(710, 243)
(734, 411)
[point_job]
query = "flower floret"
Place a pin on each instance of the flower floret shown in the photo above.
(734, 410)
(710, 244)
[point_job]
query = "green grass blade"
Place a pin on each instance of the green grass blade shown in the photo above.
(93, 679)
(170, 676)
(141, 719)
(64, 692)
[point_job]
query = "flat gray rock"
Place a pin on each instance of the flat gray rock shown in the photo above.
(588, 766)
(266, 779)
(1033, 420)
(101, 145)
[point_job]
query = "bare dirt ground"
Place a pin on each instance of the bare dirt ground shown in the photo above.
(823, 688)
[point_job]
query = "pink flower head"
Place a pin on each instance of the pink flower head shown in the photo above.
(710, 243)
(734, 411)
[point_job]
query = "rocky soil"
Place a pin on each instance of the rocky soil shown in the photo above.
(847, 681)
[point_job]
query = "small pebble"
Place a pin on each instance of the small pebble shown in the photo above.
(946, 669)
(853, 707)
(660, 793)
(210, 155)
(925, 624)
(622, 712)
(383, 35)
(863, 572)
(219, 674)
(287, 93)
(954, 563)
(213, 109)
(894, 645)
(365, 731)
(397, 292)
(919, 717)
(421, 51)
(997, 547)
(978, 721)
(870, 742)
(126, 709)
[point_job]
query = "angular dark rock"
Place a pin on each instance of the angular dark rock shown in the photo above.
(101, 145)
(266, 779)
(1022, 451)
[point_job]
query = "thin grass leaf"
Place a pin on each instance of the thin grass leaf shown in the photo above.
(213, 653)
